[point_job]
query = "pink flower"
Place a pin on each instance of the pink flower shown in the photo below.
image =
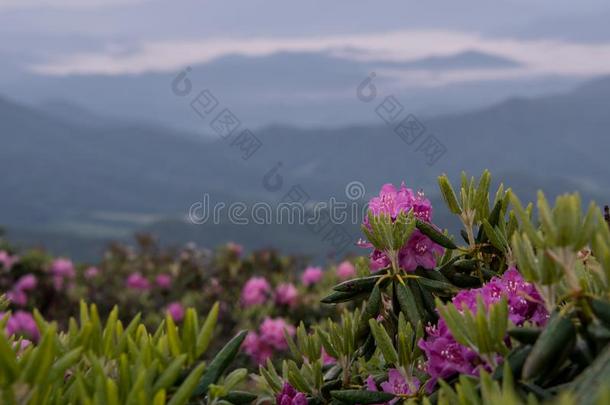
(396, 384)
(286, 294)
(62, 270)
(163, 281)
(255, 291)
(419, 251)
(346, 270)
(312, 275)
(23, 323)
(27, 282)
(290, 396)
(136, 281)
(327, 358)
(272, 332)
(17, 294)
(91, 273)
(378, 260)
(17, 297)
(446, 357)
(392, 201)
(176, 311)
(6, 260)
(256, 348)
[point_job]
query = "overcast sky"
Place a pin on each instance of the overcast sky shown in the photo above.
(132, 36)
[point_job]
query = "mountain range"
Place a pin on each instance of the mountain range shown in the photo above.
(300, 89)
(74, 179)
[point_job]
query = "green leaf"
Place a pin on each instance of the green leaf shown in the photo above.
(205, 334)
(234, 378)
(384, 342)
(434, 234)
(449, 195)
(337, 297)
(66, 361)
(438, 287)
(362, 397)
(556, 338)
(173, 339)
(239, 397)
(371, 310)
(170, 374)
(220, 362)
(408, 304)
(358, 285)
(186, 390)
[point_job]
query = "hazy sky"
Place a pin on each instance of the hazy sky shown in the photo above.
(133, 36)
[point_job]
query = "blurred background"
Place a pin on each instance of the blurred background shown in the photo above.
(118, 116)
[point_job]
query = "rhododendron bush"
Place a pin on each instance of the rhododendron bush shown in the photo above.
(516, 310)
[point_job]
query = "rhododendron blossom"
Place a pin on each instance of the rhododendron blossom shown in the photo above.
(255, 291)
(312, 275)
(272, 331)
(419, 249)
(18, 295)
(446, 357)
(290, 396)
(396, 384)
(260, 346)
(346, 270)
(22, 323)
(62, 270)
(327, 358)
(286, 294)
(136, 281)
(163, 281)
(256, 348)
(176, 311)
(7, 261)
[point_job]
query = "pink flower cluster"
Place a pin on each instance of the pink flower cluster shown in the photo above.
(22, 323)
(396, 384)
(63, 271)
(290, 396)
(7, 261)
(255, 291)
(176, 311)
(136, 281)
(312, 275)
(163, 281)
(270, 337)
(345, 270)
(446, 357)
(419, 249)
(286, 294)
(18, 294)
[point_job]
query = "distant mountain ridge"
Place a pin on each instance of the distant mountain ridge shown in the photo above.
(292, 88)
(59, 175)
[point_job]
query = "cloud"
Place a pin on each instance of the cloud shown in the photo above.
(63, 4)
(536, 57)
